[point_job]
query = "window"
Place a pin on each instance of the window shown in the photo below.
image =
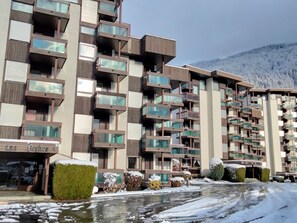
(215, 85)
(16, 71)
(20, 31)
(133, 162)
(87, 52)
(223, 96)
(202, 85)
(17, 6)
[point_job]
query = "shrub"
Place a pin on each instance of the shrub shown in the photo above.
(258, 172)
(177, 181)
(110, 180)
(154, 182)
(265, 174)
(280, 179)
(133, 180)
(73, 181)
(216, 169)
(234, 173)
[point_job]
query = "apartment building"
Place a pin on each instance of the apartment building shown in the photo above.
(279, 108)
(75, 84)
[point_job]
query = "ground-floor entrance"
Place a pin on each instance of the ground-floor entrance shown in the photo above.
(24, 165)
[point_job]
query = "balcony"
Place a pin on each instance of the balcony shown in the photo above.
(46, 50)
(190, 97)
(156, 112)
(256, 106)
(254, 99)
(240, 97)
(288, 106)
(188, 86)
(109, 67)
(255, 129)
(234, 104)
(190, 133)
(256, 144)
(110, 139)
(107, 10)
(234, 121)
(38, 130)
(156, 144)
(289, 137)
(247, 111)
(248, 141)
(249, 156)
(229, 91)
(171, 126)
(291, 158)
(188, 115)
(288, 126)
(177, 151)
(246, 125)
(44, 90)
(288, 116)
(109, 34)
(174, 100)
(155, 81)
(52, 14)
(236, 155)
(234, 138)
(193, 152)
(110, 102)
(290, 148)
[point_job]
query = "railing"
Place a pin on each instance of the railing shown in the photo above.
(246, 125)
(288, 116)
(173, 99)
(112, 100)
(235, 138)
(113, 30)
(111, 137)
(229, 91)
(107, 7)
(45, 87)
(248, 141)
(186, 114)
(235, 104)
(246, 110)
(177, 151)
(234, 121)
(156, 80)
(194, 152)
(112, 64)
(240, 97)
(48, 44)
(156, 110)
(53, 6)
(41, 130)
(173, 124)
(236, 155)
(191, 133)
(289, 137)
(190, 97)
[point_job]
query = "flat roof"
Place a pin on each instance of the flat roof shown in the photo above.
(198, 70)
(246, 84)
(226, 75)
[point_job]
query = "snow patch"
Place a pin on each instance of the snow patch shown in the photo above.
(75, 162)
(154, 177)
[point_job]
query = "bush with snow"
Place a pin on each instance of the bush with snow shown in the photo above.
(133, 180)
(234, 172)
(154, 182)
(175, 164)
(110, 180)
(216, 168)
(177, 181)
(187, 175)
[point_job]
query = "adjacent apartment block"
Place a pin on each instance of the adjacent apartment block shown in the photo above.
(75, 84)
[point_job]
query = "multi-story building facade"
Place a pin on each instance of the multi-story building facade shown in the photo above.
(75, 84)
(279, 108)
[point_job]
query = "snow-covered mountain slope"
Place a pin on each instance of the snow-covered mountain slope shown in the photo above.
(269, 66)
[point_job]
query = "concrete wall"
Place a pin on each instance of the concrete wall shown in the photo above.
(4, 24)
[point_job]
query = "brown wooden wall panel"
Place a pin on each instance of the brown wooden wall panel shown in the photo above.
(135, 84)
(85, 38)
(225, 156)
(148, 161)
(224, 139)
(13, 93)
(178, 74)
(256, 113)
(21, 16)
(83, 105)
(224, 122)
(133, 47)
(157, 45)
(134, 115)
(133, 148)
(85, 69)
(8, 132)
(102, 159)
(17, 51)
(81, 143)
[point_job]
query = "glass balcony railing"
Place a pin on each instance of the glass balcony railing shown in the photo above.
(290, 147)
(235, 138)
(191, 133)
(255, 129)
(247, 141)
(234, 121)
(186, 114)
(107, 7)
(194, 152)
(190, 97)
(288, 105)
(156, 79)
(289, 137)
(229, 91)
(177, 99)
(110, 138)
(236, 104)
(174, 124)
(289, 126)
(246, 125)
(240, 97)
(256, 144)
(109, 63)
(292, 158)
(41, 131)
(246, 110)
(236, 155)
(260, 137)
(155, 110)
(177, 151)
(52, 6)
(249, 156)
(112, 30)
(111, 100)
(288, 116)
(48, 45)
(157, 143)
(45, 87)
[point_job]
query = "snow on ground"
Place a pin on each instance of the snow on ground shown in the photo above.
(276, 205)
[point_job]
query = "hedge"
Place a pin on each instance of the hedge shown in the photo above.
(234, 174)
(260, 173)
(73, 182)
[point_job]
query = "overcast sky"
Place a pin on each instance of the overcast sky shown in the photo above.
(210, 29)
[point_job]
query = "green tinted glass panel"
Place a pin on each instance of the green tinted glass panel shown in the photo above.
(52, 6)
(45, 87)
(41, 131)
(49, 45)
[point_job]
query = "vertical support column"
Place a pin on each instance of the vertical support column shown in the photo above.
(46, 162)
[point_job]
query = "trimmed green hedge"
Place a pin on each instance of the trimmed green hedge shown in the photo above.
(73, 182)
(234, 175)
(260, 173)
(217, 172)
